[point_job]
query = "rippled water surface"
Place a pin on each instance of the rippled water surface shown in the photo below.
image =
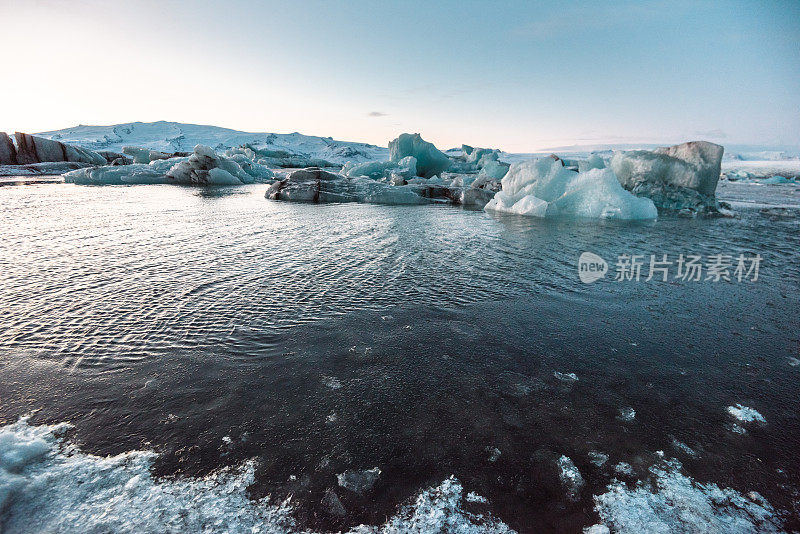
(419, 339)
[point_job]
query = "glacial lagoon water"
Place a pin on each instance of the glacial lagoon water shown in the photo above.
(219, 329)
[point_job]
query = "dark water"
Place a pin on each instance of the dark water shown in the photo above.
(415, 339)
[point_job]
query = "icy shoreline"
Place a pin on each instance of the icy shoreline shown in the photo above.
(48, 484)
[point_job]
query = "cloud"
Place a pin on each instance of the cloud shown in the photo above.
(376, 114)
(714, 134)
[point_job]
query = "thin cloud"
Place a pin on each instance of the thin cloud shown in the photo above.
(376, 114)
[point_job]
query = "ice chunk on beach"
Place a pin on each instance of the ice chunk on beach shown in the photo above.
(570, 477)
(544, 188)
(430, 160)
(48, 485)
(672, 502)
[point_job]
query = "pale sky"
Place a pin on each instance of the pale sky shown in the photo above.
(514, 75)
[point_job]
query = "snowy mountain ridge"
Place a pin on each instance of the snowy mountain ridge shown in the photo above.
(179, 137)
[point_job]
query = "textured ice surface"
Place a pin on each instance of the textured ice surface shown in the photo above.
(544, 188)
(693, 165)
(745, 414)
(203, 167)
(406, 168)
(430, 160)
(672, 502)
(678, 177)
(138, 173)
(317, 185)
(570, 477)
(47, 485)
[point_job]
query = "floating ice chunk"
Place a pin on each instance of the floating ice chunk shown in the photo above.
(494, 454)
(474, 497)
(430, 161)
(359, 482)
(205, 167)
(772, 180)
(626, 414)
(34, 149)
(694, 165)
(673, 502)
(316, 185)
(597, 194)
(598, 458)
(117, 175)
(794, 362)
(332, 382)
(544, 188)
(596, 529)
(405, 168)
(678, 177)
(565, 377)
(745, 414)
(570, 477)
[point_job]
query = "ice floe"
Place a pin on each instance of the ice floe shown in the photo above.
(678, 177)
(48, 485)
(203, 167)
(545, 188)
(669, 501)
(570, 477)
(430, 161)
(745, 414)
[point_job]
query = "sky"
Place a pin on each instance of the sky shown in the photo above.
(520, 76)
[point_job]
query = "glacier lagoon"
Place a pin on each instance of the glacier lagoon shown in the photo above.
(398, 346)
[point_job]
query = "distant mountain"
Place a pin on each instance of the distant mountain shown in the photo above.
(179, 137)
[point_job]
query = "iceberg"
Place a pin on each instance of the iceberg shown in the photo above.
(8, 153)
(145, 155)
(203, 167)
(33, 149)
(406, 169)
(137, 173)
(430, 160)
(544, 188)
(773, 180)
(679, 177)
(206, 167)
(317, 185)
